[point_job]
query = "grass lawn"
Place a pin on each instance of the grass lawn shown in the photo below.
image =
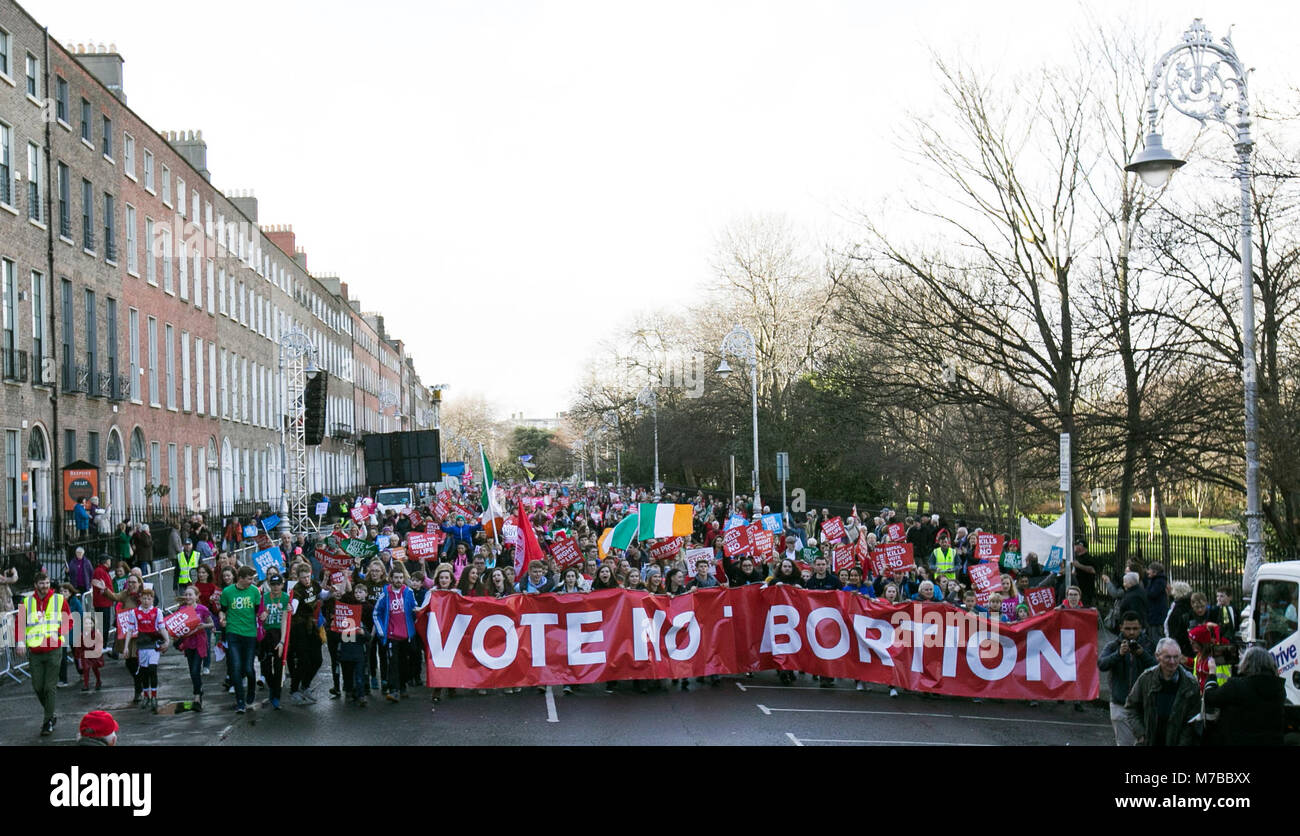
(1186, 527)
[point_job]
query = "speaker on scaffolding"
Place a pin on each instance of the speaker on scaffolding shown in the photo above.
(314, 398)
(402, 458)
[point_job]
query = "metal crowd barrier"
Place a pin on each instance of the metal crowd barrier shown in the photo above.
(164, 595)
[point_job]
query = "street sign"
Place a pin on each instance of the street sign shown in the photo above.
(782, 466)
(1065, 462)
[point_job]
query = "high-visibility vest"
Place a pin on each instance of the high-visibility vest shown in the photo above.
(42, 626)
(945, 563)
(186, 563)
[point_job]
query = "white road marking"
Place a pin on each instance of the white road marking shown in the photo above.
(793, 739)
(741, 687)
(225, 731)
(764, 709)
(551, 715)
(1024, 720)
(767, 710)
(888, 742)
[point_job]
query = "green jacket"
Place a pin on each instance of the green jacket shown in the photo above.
(1141, 707)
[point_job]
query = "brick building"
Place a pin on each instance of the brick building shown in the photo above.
(142, 309)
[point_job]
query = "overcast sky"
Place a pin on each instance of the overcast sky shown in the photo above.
(486, 174)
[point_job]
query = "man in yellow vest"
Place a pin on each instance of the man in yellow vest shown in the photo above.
(187, 560)
(943, 560)
(43, 625)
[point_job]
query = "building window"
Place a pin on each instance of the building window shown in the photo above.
(171, 472)
(180, 197)
(212, 379)
(211, 286)
(153, 362)
(70, 445)
(166, 186)
(198, 375)
(4, 53)
(34, 195)
(11, 458)
(185, 371)
(65, 202)
(128, 155)
(61, 99)
(133, 349)
(225, 386)
(33, 76)
(87, 132)
(207, 219)
(87, 215)
(198, 281)
(110, 314)
(39, 325)
(92, 447)
(169, 334)
(132, 255)
(148, 170)
(194, 215)
(183, 263)
(155, 470)
(9, 316)
(221, 291)
(69, 378)
(110, 229)
(92, 356)
(6, 165)
(165, 240)
(108, 138)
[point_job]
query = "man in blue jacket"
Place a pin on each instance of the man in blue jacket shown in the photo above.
(395, 627)
(460, 533)
(1125, 658)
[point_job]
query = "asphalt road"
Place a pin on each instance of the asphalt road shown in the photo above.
(740, 711)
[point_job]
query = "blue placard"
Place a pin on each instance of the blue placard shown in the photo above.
(269, 523)
(1054, 559)
(382, 541)
(734, 521)
(322, 508)
(453, 468)
(772, 523)
(267, 558)
(250, 531)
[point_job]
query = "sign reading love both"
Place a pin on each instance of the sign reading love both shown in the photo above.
(614, 634)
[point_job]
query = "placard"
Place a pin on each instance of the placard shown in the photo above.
(1041, 599)
(266, 560)
(763, 543)
(772, 523)
(833, 530)
(182, 623)
(421, 545)
(269, 523)
(126, 627)
(665, 548)
(347, 618)
(735, 541)
(843, 557)
(693, 555)
(358, 514)
(250, 531)
(988, 546)
(893, 557)
(322, 508)
(985, 577)
(895, 531)
(565, 550)
(333, 561)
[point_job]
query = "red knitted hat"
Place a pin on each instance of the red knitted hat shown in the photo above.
(97, 724)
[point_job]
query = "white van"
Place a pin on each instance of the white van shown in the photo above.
(1271, 620)
(396, 499)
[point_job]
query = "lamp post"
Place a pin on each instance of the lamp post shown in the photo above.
(387, 399)
(611, 420)
(739, 343)
(649, 397)
(1195, 77)
(297, 360)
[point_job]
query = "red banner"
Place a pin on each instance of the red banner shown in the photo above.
(525, 640)
(735, 541)
(421, 545)
(894, 531)
(893, 557)
(565, 551)
(1040, 599)
(833, 530)
(347, 618)
(988, 546)
(182, 622)
(985, 577)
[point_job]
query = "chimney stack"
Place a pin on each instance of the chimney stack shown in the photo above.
(282, 236)
(245, 202)
(190, 145)
(104, 63)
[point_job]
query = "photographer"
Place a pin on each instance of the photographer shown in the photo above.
(1125, 658)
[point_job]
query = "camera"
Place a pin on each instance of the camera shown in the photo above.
(1133, 645)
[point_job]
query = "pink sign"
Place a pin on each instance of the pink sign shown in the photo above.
(565, 551)
(894, 531)
(735, 541)
(833, 530)
(985, 577)
(182, 622)
(666, 548)
(893, 557)
(1041, 599)
(421, 545)
(988, 546)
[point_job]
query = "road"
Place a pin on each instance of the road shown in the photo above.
(740, 711)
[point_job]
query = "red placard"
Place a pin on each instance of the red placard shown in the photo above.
(126, 623)
(988, 546)
(565, 551)
(347, 618)
(735, 541)
(416, 518)
(445, 496)
(1041, 599)
(985, 577)
(358, 514)
(564, 502)
(432, 528)
(182, 622)
(860, 549)
(337, 578)
(763, 542)
(421, 545)
(334, 561)
(893, 557)
(843, 557)
(894, 531)
(833, 530)
(665, 548)
(620, 634)
(441, 508)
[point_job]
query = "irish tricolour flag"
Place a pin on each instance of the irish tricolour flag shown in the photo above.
(660, 519)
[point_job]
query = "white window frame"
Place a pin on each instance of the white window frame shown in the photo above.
(198, 375)
(152, 334)
(151, 258)
(166, 237)
(212, 379)
(133, 350)
(166, 186)
(132, 245)
(211, 286)
(180, 197)
(128, 155)
(147, 163)
(186, 401)
(198, 280)
(183, 264)
(169, 334)
(6, 50)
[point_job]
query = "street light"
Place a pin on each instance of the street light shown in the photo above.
(649, 397)
(1194, 78)
(611, 420)
(387, 399)
(297, 360)
(739, 343)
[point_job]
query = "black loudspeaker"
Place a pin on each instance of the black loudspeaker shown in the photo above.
(402, 458)
(314, 397)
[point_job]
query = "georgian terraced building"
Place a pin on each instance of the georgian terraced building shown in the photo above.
(142, 309)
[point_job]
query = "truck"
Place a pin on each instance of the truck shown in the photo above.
(398, 498)
(1270, 621)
